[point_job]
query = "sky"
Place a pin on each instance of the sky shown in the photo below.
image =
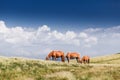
(32, 28)
(61, 13)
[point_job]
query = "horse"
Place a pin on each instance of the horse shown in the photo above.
(56, 54)
(85, 59)
(72, 55)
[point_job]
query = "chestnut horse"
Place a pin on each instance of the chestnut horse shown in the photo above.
(72, 55)
(85, 59)
(56, 54)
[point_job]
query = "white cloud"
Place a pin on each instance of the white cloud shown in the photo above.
(57, 35)
(43, 28)
(3, 28)
(70, 35)
(83, 35)
(15, 35)
(113, 29)
(21, 41)
(91, 39)
(93, 30)
(18, 35)
(116, 35)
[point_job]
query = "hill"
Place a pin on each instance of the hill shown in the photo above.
(108, 59)
(100, 68)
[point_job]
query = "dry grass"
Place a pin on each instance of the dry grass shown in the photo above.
(109, 59)
(63, 74)
(100, 68)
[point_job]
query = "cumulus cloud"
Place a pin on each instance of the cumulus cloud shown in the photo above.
(21, 41)
(3, 28)
(14, 35)
(83, 35)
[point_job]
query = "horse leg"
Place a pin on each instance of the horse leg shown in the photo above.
(77, 59)
(84, 61)
(62, 58)
(55, 58)
(67, 59)
(88, 61)
(52, 58)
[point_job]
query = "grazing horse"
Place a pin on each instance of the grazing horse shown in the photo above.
(72, 55)
(56, 54)
(85, 59)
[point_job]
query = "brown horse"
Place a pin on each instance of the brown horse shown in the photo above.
(72, 55)
(85, 59)
(56, 54)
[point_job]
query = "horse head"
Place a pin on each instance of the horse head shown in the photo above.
(80, 61)
(85, 59)
(47, 58)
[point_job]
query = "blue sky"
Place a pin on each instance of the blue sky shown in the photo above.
(32, 28)
(61, 13)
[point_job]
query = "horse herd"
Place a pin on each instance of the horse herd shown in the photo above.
(70, 55)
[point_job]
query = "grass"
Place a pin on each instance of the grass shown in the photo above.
(100, 68)
(109, 59)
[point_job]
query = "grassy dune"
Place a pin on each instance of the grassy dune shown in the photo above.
(109, 59)
(100, 68)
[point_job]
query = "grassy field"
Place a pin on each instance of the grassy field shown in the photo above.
(100, 68)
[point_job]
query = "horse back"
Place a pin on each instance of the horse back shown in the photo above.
(85, 58)
(58, 53)
(73, 54)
